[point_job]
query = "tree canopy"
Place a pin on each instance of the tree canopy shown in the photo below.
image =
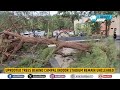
(26, 20)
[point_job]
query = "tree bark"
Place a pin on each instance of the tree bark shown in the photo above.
(106, 29)
(19, 40)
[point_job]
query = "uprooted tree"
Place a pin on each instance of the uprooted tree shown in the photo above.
(13, 42)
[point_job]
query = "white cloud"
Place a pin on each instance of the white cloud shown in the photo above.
(53, 12)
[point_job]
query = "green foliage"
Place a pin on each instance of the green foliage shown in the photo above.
(72, 15)
(67, 23)
(95, 60)
(88, 27)
(79, 28)
(36, 65)
(24, 48)
(84, 28)
(59, 22)
(45, 55)
(42, 56)
(99, 58)
(25, 62)
(95, 27)
(4, 17)
(64, 19)
(104, 56)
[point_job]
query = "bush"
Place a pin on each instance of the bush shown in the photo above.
(45, 53)
(96, 59)
(42, 56)
(104, 55)
(25, 62)
(36, 65)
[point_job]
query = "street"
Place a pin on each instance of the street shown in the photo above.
(118, 37)
(117, 43)
(75, 38)
(80, 39)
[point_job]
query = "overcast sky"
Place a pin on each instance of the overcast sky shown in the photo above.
(53, 12)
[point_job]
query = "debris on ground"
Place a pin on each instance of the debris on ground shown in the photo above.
(61, 62)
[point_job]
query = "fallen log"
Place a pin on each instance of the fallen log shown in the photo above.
(19, 39)
(33, 40)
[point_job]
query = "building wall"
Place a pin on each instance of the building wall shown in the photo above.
(75, 23)
(114, 24)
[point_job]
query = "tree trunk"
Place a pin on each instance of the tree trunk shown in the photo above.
(60, 44)
(106, 29)
(48, 33)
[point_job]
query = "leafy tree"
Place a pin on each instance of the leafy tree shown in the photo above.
(59, 22)
(108, 22)
(73, 15)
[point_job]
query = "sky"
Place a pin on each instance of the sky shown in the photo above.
(53, 12)
(37, 13)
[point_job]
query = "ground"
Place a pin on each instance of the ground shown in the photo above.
(106, 53)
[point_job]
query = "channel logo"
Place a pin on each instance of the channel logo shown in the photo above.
(36, 76)
(104, 76)
(15, 76)
(81, 76)
(57, 76)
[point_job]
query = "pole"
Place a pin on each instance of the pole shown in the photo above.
(118, 36)
(106, 29)
(48, 27)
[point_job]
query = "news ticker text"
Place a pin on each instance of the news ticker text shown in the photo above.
(59, 70)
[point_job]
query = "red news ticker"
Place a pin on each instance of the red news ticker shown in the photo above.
(105, 76)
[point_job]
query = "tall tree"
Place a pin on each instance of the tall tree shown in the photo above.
(73, 15)
(108, 22)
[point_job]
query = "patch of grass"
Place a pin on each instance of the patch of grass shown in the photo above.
(42, 56)
(104, 55)
(96, 59)
(36, 65)
(25, 62)
(45, 55)
(25, 47)
(1, 68)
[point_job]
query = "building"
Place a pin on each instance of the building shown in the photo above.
(115, 24)
(81, 21)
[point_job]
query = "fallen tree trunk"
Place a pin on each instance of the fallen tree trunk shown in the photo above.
(33, 40)
(19, 39)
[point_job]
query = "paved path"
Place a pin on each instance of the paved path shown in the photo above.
(80, 39)
(75, 38)
(117, 43)
(118, 37)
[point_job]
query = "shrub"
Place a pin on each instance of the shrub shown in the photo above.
(25, 62)
(96, 59)
(36, 65)
(105, 55)
(42, 56)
